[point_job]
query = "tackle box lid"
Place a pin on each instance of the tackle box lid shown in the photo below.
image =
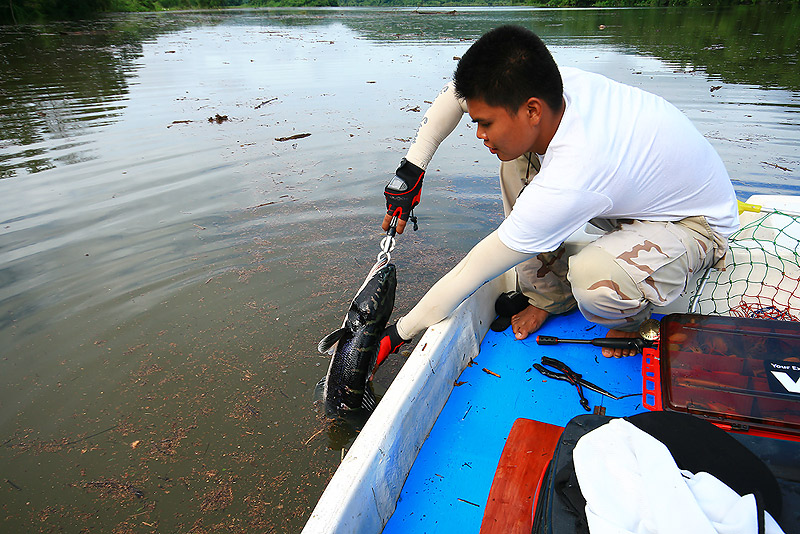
(736, 371)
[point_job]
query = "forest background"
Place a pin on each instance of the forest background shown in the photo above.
(27, 11)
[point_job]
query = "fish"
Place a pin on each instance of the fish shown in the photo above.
(354, 346)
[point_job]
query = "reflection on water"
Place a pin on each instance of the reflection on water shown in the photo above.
(62, 80)
(164, 279)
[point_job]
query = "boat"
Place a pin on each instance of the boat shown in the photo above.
(426, 459)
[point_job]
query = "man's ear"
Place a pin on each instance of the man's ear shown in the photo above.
(533, 107)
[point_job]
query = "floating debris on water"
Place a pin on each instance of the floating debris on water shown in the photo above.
(219, 119)
(292, 137)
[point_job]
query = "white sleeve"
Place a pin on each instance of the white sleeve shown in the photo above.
(487, 260)
(439, 121)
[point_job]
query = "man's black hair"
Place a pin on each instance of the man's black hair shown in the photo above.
(507, 66)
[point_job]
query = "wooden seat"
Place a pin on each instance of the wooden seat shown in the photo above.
(529, 448)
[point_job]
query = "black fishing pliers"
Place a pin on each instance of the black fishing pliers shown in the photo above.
(568, 375)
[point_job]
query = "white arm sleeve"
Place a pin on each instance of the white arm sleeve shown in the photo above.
(439, 121)
(487, 260)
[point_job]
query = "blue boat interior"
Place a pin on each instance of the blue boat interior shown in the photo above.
(448, 486)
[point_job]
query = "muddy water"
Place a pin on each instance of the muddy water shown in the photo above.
(168, 262)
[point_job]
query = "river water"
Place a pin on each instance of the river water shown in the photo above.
(168, 262)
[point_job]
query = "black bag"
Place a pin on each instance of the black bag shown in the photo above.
(695, 444)
(558, 507)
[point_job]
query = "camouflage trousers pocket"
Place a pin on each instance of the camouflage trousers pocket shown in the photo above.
(659, 257)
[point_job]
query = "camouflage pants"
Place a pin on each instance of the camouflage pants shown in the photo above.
(616, 280)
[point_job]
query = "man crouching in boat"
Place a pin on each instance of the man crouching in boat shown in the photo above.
(575, 147)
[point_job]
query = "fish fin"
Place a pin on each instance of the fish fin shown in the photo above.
(319, 390)
(369, 402)
(327, 343)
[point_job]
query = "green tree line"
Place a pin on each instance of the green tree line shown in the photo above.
(24, 11)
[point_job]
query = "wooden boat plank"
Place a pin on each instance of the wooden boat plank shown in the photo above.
(527, 453)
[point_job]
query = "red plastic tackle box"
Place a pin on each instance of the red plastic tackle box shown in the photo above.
(741, 374)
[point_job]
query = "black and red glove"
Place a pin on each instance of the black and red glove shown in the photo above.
(389, 344)
(404, 190)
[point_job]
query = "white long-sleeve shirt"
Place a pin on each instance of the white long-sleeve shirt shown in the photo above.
(619, 152)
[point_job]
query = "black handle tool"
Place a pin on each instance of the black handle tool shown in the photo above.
(635, 343)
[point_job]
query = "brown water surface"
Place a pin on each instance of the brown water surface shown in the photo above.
(167, 264)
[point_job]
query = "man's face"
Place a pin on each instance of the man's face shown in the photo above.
(506, 135)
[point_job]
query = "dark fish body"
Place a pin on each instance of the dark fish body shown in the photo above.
(354, 347)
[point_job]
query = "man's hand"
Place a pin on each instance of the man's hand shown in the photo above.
(389, 344)
(403, 193)
(387, 220)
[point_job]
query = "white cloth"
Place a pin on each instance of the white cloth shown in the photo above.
(632, 485)
(619, 153)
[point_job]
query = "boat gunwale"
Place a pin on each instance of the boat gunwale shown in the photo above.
(363, 493)
(376, 467)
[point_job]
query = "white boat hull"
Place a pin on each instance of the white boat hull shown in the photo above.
(363, 492)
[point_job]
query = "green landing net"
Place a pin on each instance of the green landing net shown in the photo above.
(761, 279)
